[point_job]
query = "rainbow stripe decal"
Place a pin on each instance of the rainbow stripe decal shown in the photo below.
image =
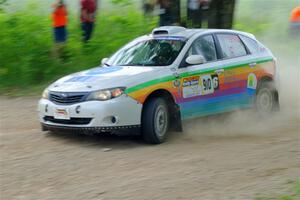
(204, 92)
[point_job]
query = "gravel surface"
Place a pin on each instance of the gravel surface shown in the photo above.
(233, 156)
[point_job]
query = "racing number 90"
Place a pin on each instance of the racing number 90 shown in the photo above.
(210, 83)
(207, 84)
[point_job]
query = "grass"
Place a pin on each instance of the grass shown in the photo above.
(293, 193)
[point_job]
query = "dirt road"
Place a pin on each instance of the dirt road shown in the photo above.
(227, 157)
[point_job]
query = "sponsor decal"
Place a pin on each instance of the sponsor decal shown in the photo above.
(81, 79)
(207, 84)
(200, 85)
(170, 38)
(91, 75)
(252, 81)
(191, 87)
(176, 83)
(103, 70)
(61, 113)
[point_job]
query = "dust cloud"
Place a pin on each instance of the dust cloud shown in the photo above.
(248, 122)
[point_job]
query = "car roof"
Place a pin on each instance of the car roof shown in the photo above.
(178, 31)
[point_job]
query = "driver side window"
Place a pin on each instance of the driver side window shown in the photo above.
(204, 46)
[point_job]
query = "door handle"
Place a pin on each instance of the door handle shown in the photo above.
(252, 64)
(176, 74)
(219, 71)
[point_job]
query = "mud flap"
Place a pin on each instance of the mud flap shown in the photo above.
(44, 128)
(175, 120)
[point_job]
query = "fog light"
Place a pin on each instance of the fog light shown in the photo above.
(77, 109)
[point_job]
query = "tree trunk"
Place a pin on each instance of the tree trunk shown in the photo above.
(175, 11)
(194, 14)
(221, 14)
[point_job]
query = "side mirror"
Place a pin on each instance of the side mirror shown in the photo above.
(195, 60)
(104, 61)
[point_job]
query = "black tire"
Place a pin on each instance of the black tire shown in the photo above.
(155, 121)
(266, 100)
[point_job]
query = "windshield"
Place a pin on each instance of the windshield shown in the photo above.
(151, 52)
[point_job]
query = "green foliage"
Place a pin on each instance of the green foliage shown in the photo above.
(122, 2)
(26, 45)
(293, 192)
(2, 2)
(297, 188)
(264, 17)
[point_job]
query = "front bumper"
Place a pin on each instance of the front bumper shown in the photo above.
(119, 113)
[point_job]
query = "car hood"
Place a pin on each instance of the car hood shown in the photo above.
(102, 78)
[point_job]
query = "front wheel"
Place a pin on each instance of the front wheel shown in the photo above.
(155, 121)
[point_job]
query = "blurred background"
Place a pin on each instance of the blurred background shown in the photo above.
(26, 37)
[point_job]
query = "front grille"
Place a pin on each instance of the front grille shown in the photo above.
(67, 97)
(72, 121)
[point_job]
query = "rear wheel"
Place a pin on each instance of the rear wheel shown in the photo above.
(266, 99)
(155, 121)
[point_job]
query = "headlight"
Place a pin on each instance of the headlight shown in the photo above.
(107, 94)
(45, 94)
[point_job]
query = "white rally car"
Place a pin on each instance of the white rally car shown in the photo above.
(160, 79)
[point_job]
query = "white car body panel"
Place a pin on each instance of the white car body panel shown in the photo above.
(100, 111)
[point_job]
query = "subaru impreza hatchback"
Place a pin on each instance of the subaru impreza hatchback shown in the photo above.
(160, 79)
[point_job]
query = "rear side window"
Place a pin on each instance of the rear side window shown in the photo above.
(204, 46)
(231, 46)
(251, 44)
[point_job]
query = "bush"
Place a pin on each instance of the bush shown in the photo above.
(26, 41)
